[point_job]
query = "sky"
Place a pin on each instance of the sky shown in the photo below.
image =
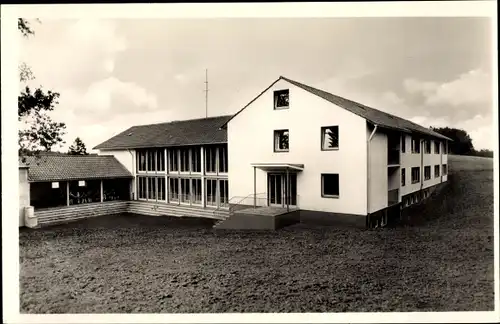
(114, 74)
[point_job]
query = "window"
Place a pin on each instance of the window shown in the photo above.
(403, 143)
(160, 160)
(415, 175)
(152, 188)
(173, 184)
(185, 190)
(210, 159)
(427, 147)
(436, 171)
(330, 185)
(281, 99)
(211, 189)
(437, 145)
(197, 191)
(427, 172)
(141, 160)
(223, 193)
(329, 138)
(55, 185)
(196, 159)
(184, 152)
(173, 162)
(161, 188)
(141, 188)
(222, 159)
(281, 139)
(151, 160)
(445, 169)
(403, 177)
(415, 145)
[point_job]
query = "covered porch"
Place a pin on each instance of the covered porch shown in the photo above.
(281, 185)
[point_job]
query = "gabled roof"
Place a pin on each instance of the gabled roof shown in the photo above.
(74, 167)
(372, 115)
(185, 132)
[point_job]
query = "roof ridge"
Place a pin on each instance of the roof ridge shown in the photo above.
(180, 121)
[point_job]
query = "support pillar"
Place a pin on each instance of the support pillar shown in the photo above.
(254, 187)
(287, 193)
(102, 191)
(67, 193)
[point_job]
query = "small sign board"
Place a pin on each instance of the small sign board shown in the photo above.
(81, 183)
(55, 185)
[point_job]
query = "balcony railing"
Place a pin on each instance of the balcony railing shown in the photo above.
(392, 197)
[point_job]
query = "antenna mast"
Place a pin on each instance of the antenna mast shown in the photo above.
(206, 93)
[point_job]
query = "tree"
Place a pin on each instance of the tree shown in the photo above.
(78, 148)
(461, 144)
(40, 132)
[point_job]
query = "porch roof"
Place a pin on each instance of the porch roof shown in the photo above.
(74, 167)
(278, 166)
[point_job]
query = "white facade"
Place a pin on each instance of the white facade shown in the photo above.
(250, 140)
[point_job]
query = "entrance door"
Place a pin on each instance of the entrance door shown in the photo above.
(275, 189)
(278, 193)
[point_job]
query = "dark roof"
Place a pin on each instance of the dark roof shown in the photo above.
(74, 167)
(373, 115)
(176, 133)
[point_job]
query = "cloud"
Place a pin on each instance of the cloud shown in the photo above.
(107, 97)
(472, 88)
(464, 97)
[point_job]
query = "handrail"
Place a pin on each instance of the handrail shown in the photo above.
(231, 209)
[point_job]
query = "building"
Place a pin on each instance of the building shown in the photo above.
(66, 187)
(293, 146)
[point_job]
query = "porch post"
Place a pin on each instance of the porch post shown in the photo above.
(102, 191)
(67, 193)
(254, 188)
(287, 194)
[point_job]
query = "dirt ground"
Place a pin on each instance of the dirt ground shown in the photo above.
(130, 263)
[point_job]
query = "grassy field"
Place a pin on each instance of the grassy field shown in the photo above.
(128, 263)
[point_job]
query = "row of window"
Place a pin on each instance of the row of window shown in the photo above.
(186, 159)
(415, 146)
(415, 173)
(329, 139)
(183, 190)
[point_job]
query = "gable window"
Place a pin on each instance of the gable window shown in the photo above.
(281, 99)
(281, 140)
(436, 171)
(415, 145)
(437, 146)
(427, 172)
(330, 185)
(403, 143)
(427, 147)
(445, 170)
(415, 175)
(403, 177)
(329, 138)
